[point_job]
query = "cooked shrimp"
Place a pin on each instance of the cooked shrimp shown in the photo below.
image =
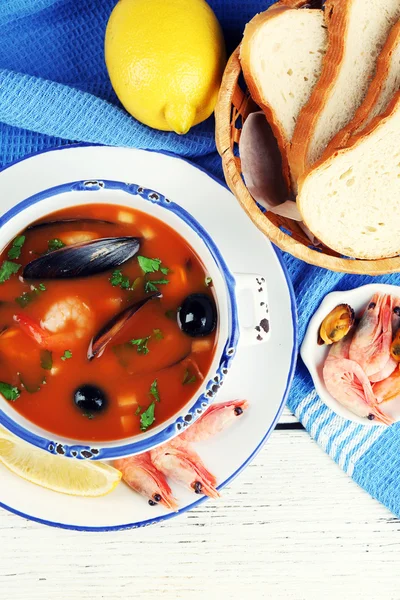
(179, 462)
(389, 389)
(65, 322)
(370, 347)
(143, 477)
(386, 371)
(346, 381)
(218, 417)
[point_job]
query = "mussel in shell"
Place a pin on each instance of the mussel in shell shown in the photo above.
(54, 223)
(83, 259)
(114, 326)
(336, 325)
(395, 347)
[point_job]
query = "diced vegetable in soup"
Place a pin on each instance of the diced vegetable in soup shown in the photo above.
(101, 323)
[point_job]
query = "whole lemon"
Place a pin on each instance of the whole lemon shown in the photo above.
(165, 59)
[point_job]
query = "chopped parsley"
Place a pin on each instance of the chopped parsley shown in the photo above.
(118, 279)
(55, 244)
(188, 378)
(137, 411)
(152, 265)
(149, 265)
(9, 392)
(15, 250)
(30, 388)
(67, 354)
(88, 415)
(27, 297)
(141, 345)
(151, 286)
(24, 299)
(154, 391)
(208, 281)
(46, 360)
(147, 417)
(7, 269)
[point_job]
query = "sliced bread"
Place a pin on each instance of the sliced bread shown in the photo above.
(351, 201)
(380, 92)
(357, 33)
(281, 56)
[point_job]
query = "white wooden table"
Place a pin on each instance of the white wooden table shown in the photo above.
(291, 526)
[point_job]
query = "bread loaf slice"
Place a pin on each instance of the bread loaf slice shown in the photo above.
(351, 201)
(357, 33)
(281, 56)
(380, 92)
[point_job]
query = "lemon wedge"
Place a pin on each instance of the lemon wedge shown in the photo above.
(57, 473)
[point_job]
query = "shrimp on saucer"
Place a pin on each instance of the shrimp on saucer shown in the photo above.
(66, 321)
(143, 477)
(370, 346)
(389, 389)
(217, 418)
(346, 381)
(184, 466)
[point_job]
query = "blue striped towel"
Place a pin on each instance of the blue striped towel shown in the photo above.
(54, 90)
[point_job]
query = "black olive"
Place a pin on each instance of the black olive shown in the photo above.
(90, 398)
(197, 316)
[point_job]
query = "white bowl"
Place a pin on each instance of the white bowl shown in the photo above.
(225, 285)
(314, 355)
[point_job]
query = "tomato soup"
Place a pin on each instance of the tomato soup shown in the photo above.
(107, 323)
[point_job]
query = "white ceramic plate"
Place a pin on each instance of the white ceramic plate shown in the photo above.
(260, 373)
(314, 356)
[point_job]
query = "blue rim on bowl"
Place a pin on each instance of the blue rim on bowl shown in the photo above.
(199, 404)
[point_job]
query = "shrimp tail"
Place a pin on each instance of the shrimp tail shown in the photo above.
(380, 416)
(32, 329)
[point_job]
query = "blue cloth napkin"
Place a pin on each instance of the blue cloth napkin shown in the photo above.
(54, 90)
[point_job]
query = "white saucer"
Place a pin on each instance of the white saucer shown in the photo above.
(262, 373)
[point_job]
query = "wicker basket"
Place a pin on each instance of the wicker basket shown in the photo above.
(233, 107)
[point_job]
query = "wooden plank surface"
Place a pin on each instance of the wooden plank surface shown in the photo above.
(291, 526)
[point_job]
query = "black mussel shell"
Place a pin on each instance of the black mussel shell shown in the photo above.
(197, 316)
(90, 398)
(114, 326)
(54, 223)
(83, 259)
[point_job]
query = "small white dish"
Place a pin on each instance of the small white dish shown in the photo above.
(314, 355)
